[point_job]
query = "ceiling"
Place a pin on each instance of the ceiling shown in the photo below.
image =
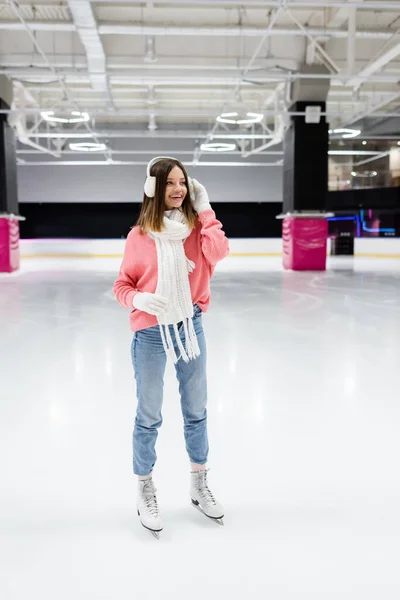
(165, 70)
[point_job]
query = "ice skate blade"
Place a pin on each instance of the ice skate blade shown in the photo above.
(154, 532)
(218, 520)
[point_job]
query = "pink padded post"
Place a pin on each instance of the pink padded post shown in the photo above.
(9, 245)
(304, 243)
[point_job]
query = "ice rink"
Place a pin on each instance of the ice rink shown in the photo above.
(304, 422)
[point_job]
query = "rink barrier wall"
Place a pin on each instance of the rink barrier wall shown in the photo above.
(114, 248)
(113, 220)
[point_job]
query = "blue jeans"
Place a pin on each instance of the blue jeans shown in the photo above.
(149, 361)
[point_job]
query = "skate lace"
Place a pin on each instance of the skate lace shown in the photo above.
(204, 490)
(150, 499)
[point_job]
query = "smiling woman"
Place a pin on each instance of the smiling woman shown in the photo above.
(164, 279)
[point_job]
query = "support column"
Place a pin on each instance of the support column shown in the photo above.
(305, 176)
(9, 224)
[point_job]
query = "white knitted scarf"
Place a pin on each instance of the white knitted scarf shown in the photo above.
(173, 283)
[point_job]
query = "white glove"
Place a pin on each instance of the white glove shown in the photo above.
(199, 197)
(153, 304)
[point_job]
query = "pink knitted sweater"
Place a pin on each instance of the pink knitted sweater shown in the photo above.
(205, 246)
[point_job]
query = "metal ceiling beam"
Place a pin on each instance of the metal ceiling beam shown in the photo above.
(374, 66)
(371, 110)
(187, 30)
(390, 5)
(133, 63)
(351, 41)
(138, 163)
(198, 30)
(37, 26)
(340, 16)
(124, 77)
(175, 152)
(327, 59)
(181, 134)
(312, 4)
(173, 134)
(199, 94)
(161, 152)
(373, 159)
(191, 112)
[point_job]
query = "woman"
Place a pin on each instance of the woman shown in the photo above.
(165, 275)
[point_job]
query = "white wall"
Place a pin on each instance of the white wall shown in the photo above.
(125, 183)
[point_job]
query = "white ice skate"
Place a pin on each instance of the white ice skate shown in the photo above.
(203, 499)
(147, 507)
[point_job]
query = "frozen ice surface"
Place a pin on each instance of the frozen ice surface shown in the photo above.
(304, 424)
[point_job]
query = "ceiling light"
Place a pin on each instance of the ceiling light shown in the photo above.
(398, 143)
(76, 117)
(364, 143)
(346, 133)
(352, 153)
(232, 118)
(218, 147)
(365, 174)
(88, 147)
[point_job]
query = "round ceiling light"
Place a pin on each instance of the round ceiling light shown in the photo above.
(217, 147)
(88, 147)
(234, 118)
(76, 117)
(346, 133)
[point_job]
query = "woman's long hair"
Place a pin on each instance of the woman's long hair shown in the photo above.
(152, 212)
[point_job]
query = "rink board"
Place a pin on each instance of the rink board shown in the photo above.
(86, 248)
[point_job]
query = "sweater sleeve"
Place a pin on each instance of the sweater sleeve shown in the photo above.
(124, 288)
(214, 243)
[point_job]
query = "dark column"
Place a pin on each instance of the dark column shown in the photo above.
(9, 225)
(8, 165)
(305, 178)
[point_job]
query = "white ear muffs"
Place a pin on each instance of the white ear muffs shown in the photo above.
(150, 183)
(150, 186)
